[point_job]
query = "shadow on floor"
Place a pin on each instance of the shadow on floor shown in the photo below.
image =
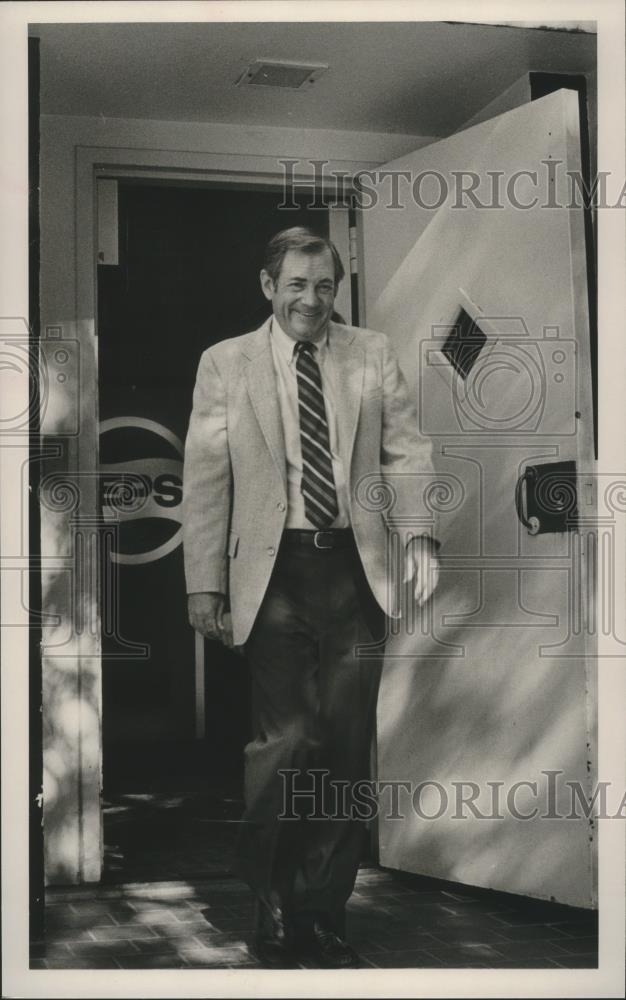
(169, 899)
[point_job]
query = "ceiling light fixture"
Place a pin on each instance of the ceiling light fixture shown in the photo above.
(279, 73)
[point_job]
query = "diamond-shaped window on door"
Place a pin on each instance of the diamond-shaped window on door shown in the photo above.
(463, 344)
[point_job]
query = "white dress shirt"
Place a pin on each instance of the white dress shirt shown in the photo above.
(287, 385)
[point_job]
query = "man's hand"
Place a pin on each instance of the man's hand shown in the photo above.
(206, 615)
(423, 565)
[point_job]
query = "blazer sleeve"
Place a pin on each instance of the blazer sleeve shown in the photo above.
(406, 456)
(207, 484)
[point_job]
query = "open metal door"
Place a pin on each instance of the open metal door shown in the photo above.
(486, 709)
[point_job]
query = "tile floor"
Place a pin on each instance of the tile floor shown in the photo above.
(175, 904)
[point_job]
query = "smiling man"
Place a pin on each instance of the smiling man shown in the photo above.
(287, 422)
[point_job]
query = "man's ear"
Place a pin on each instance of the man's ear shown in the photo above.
(267, 284)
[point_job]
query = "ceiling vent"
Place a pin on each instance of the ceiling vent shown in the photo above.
(275, 73)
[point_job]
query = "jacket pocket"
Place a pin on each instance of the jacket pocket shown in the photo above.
(233, 544)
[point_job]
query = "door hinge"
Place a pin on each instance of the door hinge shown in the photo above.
(107, 250)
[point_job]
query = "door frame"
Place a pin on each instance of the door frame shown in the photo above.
(74, 845)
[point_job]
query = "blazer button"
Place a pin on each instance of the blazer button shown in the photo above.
(280, 505)
(271, 550)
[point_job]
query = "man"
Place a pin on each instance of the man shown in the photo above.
(294, 430)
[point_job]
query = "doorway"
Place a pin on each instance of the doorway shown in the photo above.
(175, 709)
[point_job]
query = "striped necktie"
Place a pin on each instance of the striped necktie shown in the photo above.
(318, 483)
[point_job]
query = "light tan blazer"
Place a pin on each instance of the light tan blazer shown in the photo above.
(235, 480)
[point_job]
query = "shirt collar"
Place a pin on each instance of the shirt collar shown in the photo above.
(286, 344)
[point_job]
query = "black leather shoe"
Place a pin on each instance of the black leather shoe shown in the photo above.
(320, 943)
(272, 941)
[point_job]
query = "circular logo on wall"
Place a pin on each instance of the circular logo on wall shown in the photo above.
(141, 488)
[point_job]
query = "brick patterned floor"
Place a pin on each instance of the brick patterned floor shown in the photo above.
(176, 905)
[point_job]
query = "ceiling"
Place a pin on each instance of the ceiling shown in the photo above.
(418, 78)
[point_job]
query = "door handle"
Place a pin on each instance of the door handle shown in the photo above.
(532, 524)
(546, 498)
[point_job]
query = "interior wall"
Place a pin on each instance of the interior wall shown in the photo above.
(518, 93)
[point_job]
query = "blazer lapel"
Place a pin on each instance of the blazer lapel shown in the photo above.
(261, 385)
(349, 358)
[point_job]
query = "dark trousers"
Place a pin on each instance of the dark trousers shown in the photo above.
(313, 705)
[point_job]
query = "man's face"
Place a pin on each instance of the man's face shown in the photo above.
(303, 297)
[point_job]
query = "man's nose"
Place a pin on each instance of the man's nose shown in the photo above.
(310, 296)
